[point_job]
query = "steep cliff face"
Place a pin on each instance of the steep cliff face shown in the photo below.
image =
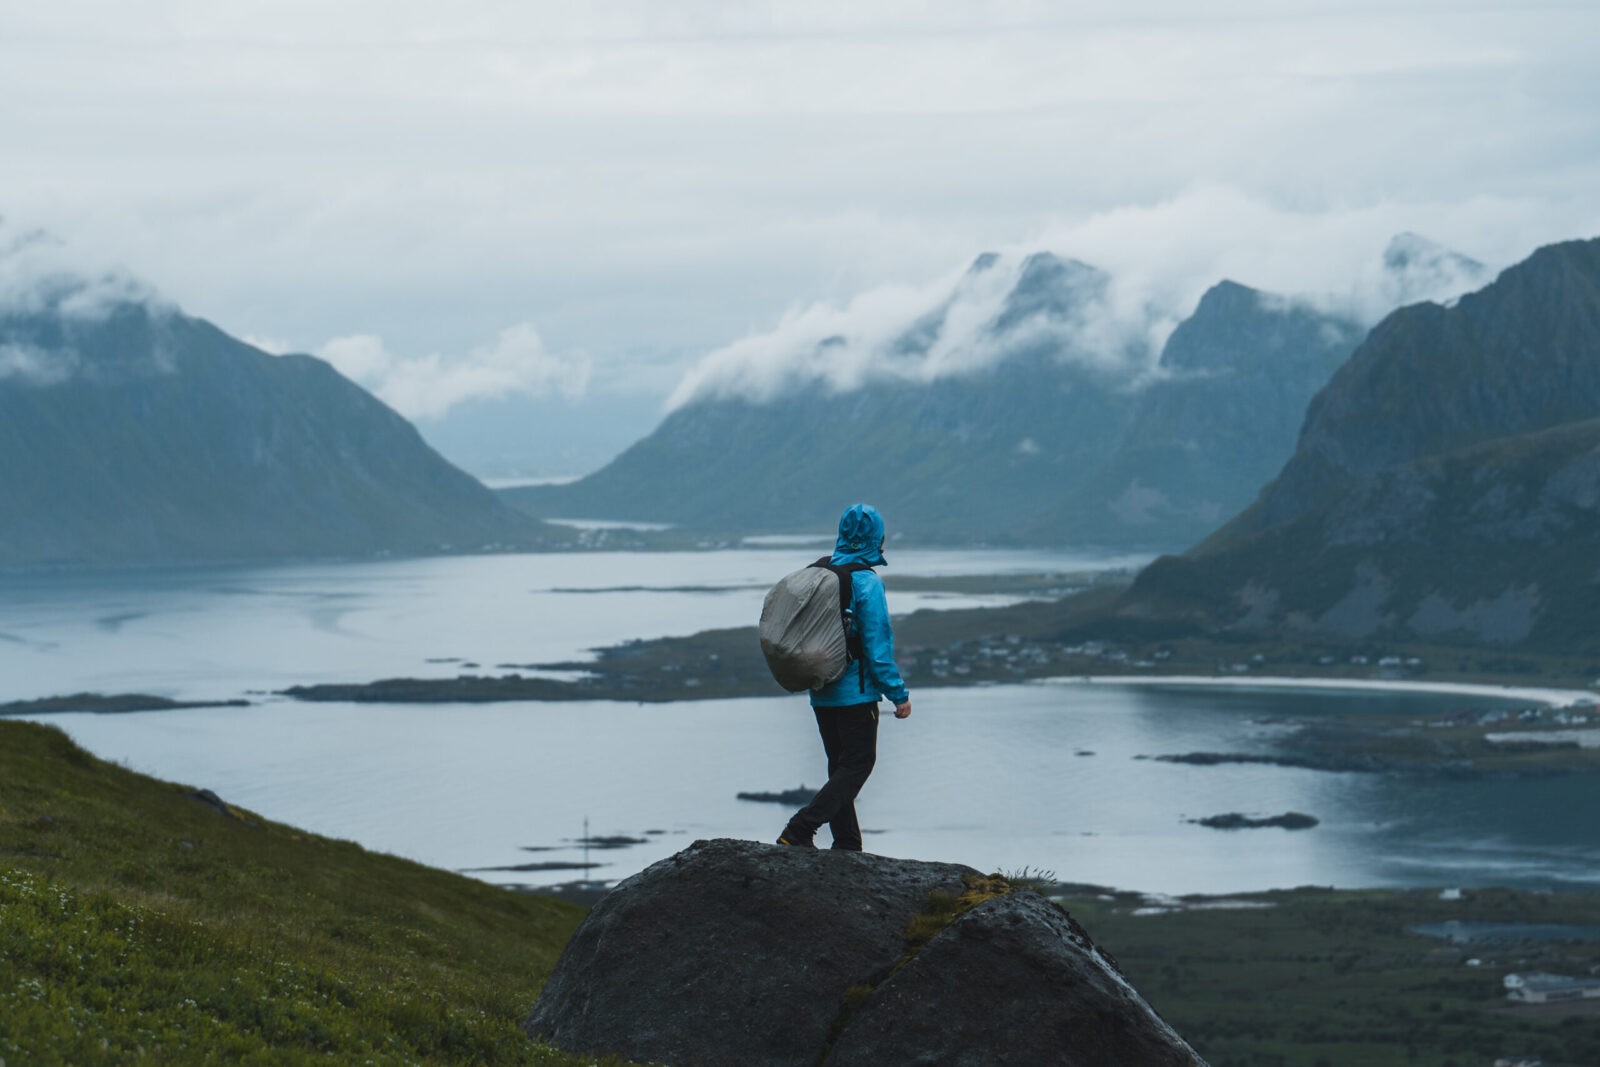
(1446, 487)
(1517, 356)
(134, 434)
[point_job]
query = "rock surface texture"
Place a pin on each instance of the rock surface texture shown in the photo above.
(733, 952)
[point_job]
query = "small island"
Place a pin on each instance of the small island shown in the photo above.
(110, 704)
(800, 795)
(1233, 820)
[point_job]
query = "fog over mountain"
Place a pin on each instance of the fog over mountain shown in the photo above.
(1028, 399)
(999, 306)
(132, 433)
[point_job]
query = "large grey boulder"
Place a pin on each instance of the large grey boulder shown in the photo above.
(1013, 981)
(733, 952)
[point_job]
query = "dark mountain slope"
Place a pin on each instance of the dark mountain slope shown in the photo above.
(139, 435)
(1447, 485)
(959, 458)
(1053, 442)
(971, 456)
(1495, 542)
(1518, 355)
(1234, 381)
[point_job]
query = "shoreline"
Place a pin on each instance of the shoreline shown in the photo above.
(1550, 697)
(525, 688)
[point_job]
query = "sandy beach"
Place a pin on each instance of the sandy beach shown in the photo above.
(1555, 698)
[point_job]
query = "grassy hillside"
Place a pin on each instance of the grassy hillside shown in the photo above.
(139, 924)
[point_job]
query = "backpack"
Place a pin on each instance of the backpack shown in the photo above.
(808, 627)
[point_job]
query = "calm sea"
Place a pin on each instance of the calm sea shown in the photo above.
(1042, 776)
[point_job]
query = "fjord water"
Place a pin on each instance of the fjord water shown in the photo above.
(214, 633)
(997, 777)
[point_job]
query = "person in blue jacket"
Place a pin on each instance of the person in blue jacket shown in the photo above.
(847, 708)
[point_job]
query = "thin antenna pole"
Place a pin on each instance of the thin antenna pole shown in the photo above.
(586, 848)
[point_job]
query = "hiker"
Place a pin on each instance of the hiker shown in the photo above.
(847, 708)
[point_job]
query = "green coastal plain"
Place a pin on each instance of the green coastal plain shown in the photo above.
(142, 921)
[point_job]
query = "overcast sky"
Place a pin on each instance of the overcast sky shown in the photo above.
(579, 200)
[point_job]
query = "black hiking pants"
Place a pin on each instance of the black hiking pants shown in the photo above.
(850, 738)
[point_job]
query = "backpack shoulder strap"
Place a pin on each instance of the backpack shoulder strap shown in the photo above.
(843, 572)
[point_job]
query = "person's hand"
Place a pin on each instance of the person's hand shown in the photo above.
(903, 711)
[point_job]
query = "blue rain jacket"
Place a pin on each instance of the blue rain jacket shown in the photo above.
(861, 541)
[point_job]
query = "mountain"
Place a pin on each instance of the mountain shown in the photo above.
(1232, 385)
(1513, 357)
(960, 456)
(1036, 417)
(131, 433)
(1446, 484)
(954, 458)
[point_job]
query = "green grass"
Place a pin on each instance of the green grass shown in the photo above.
(1326, 977)
(140, 925)
(941, 909)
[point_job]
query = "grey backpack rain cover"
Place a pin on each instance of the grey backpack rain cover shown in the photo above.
(802, 630)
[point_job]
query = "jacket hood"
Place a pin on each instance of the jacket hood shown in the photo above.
(860, 537)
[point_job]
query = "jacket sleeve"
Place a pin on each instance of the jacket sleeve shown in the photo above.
(877, 636)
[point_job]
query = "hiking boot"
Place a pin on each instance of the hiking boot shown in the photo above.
(793, 838)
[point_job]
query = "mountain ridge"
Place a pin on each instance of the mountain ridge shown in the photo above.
(135, 434)
(1446, 486)
(1053, 425)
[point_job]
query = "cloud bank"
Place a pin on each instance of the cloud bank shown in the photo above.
(32, 365)
(638, 175)
(39, 275)
(1003, 305)
(1157, 260)
(429, 386)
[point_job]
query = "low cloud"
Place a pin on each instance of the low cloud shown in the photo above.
(1157, 261)
(32, 365)
(40, 275)
(273, 346)
(427, 387)
(1416, 269)
(1000, 306)
(1360, 263)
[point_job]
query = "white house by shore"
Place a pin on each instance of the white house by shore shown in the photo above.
(1549, 988)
